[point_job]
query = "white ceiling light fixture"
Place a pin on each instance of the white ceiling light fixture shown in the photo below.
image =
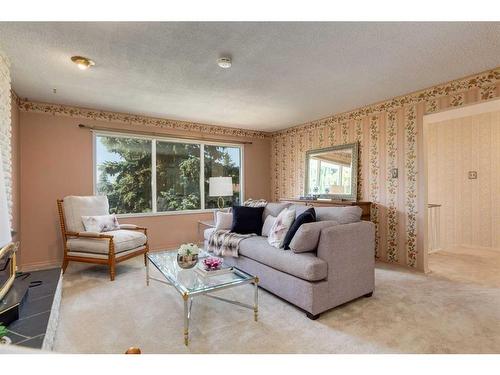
(83, 63)
(224, 62)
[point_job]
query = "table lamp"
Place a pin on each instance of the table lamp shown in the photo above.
(220, 187)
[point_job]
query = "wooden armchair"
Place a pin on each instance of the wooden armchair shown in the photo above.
(107, 248)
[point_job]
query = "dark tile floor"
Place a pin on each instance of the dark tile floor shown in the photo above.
(29, 330)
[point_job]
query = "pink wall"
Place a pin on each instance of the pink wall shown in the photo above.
(56, 160)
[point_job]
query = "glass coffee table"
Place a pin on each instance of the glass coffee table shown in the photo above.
(190, 284)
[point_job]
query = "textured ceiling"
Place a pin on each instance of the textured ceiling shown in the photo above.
(283, 74)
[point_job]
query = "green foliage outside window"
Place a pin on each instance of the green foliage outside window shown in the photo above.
(124, 174)
(127, 181)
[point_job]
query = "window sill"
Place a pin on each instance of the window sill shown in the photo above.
(168, 213)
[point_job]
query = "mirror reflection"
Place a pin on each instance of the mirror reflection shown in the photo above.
(331, 172)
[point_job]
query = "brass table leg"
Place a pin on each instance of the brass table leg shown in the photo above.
(187, 309)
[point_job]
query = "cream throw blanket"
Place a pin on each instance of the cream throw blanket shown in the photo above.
(225, 243)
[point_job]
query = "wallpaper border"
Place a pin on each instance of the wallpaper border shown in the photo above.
(483, 81)
(132, 119)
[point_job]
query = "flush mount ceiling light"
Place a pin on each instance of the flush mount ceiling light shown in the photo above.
(83, 63)
(224, 62)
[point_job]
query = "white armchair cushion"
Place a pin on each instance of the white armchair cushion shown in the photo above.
(100, 223)
(75, 207)
(123, 240)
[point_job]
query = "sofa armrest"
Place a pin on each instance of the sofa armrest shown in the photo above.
(349, 250)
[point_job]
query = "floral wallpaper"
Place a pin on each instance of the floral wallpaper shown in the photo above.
(392, 186)
(389, 135)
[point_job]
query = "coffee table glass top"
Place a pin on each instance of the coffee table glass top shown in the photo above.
(191, 282)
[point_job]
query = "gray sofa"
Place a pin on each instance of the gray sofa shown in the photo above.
(339, 270)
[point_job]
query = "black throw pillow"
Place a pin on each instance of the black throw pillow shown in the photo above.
(308, 216)
(247, 220)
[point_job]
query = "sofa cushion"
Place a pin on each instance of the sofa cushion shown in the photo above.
(344, 215)
(123, 240)
(75, 207)
(268, 224)
(305, 266)
(247, 220)
(308, 216)
(299, 209)
(274, 209)
(307, 236)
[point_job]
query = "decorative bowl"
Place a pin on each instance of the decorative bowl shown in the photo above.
(187, 261)
(212, 263)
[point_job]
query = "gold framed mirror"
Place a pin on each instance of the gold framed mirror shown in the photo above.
(332, 172)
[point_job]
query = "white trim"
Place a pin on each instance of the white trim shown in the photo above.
(242, 174)
(464, 111)
(94, 163)
(154, 139)
(202, 176)
(168, 213)
(154, 201)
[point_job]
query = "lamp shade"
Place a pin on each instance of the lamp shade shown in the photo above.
(5, 237)
(220, 186)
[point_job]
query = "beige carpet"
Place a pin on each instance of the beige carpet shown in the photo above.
(409, 313)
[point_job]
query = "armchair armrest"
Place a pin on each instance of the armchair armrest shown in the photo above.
(89, 235)
(133, 227)
(128, 226)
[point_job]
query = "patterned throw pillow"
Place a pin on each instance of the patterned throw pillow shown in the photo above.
(100, 223)
(255, 203)
(280, 227)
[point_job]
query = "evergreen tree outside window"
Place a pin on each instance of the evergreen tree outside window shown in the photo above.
(123, 173)
(178, 181)
(177, 176)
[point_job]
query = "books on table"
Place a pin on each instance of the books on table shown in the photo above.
(200, 269)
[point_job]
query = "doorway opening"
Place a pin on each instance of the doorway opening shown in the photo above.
(462, 199)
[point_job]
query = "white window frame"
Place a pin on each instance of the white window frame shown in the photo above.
(154, 139)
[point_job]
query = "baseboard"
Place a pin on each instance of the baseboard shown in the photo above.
(480, 247)
(451, 247)
(39, 266)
